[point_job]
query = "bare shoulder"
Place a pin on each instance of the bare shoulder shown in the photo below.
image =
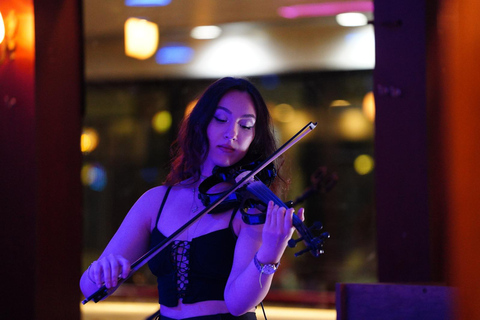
(154, 195)
(146, 207)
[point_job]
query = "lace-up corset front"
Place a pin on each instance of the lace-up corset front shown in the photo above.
(196, 270)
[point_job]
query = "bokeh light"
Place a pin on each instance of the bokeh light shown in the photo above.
(141, 38)
(354, 126)
(94, 176)
(2, 28)
(235, 55)
(363, 164)
(283, 113)
(368, 106)
(205, 32)
(351, 19)
(88, 140)
(147, 3)
(340, 103)
(162, 121)
(174, 54)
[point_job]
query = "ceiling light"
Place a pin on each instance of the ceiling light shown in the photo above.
(236, 55)
(174, 54)
(324, 9)
(351, 19)
(146, 3)
(141, 38)
(205, 32)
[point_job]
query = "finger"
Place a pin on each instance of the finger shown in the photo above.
(107, 273)
(125, 267)
(268, 220)
(280, 216)
(276, 213)
(115, 270)
(94, 273)
(301, 214)
(287, 222)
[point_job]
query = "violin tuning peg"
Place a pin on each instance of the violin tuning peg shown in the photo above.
(325, 235)
(301, 252)
(292, 243)
(289, 204)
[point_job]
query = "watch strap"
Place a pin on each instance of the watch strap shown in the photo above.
(268, 268)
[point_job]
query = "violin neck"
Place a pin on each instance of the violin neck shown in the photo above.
(264, 194)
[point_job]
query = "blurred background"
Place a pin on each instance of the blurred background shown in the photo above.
(67, 69)
(146, 62)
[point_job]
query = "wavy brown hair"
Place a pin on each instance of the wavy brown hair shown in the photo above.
(190, 149)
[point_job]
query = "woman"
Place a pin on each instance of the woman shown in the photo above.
(220, 267)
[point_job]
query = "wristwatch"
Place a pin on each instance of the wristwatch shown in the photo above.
(268, 268)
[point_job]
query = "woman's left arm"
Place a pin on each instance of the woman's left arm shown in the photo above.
(246, 286)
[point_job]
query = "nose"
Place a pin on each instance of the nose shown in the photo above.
(231, 132)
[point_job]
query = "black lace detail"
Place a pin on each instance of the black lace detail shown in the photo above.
(180, 259)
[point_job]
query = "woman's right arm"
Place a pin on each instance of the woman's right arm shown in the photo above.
(128, 244)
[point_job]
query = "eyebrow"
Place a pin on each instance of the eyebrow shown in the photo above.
(247, 115)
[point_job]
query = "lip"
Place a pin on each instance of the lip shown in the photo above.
(226, 148)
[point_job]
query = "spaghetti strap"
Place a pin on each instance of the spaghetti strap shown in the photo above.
(162, 205)
(230, 223)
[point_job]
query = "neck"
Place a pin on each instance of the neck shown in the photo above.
(206, 170)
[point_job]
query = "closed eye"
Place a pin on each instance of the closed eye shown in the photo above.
(247, 123)
(219, 119)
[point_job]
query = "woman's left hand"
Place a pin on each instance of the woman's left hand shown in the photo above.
(277, 230)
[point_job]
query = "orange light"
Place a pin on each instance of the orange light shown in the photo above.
(354, 126)
(88, 140)
(368, 106)
(2, 28)
(283, 113)
(141, 38)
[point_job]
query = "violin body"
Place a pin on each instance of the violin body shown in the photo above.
(257, 195)
(228, 175)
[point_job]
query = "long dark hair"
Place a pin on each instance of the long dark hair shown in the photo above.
(190, 149)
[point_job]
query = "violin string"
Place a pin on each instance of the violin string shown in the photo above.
(264, 193)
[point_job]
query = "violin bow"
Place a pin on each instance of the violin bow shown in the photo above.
(104, 292)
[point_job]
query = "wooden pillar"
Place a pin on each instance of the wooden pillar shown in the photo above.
(460, 48)
(401, 143)
(40, 117)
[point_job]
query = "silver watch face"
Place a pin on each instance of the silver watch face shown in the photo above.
(269, 268)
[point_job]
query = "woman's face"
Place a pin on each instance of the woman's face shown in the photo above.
(231, 131)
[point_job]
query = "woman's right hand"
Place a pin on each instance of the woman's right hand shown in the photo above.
(108, 269)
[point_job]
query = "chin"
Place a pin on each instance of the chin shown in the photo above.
(227, 162)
